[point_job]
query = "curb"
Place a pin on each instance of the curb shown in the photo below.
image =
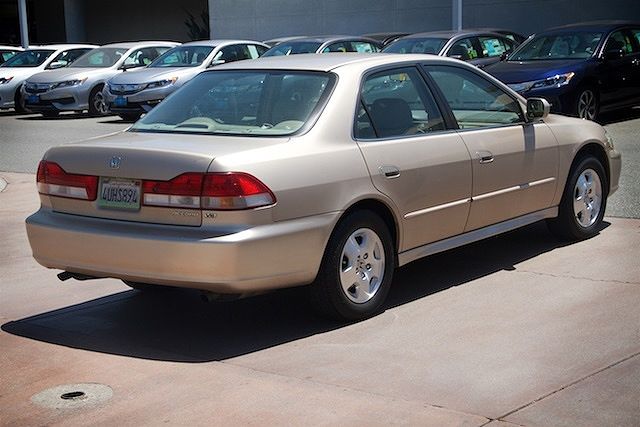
(3, 184)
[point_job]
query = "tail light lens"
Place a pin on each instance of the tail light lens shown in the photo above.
(54, 181)
(216, 191)
(234, 190)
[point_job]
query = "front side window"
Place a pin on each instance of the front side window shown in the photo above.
(396, 103)
(619, 41)
(237, 102)
(67, 57)
(475, 101)
(463, 49)
(29, 58)
(143, 57)
(102, 57)
(182, 56)
(337, 47)
(416, 45)
(563, 45)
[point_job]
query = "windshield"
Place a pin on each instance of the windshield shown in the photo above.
(103, 57)
(29, 58)
(413, 45)
(293, 48)
(563, 45)
(241, 103)
(183, 56)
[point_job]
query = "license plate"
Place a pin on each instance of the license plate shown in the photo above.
(119, 193)
(33, 99)
(120, 101)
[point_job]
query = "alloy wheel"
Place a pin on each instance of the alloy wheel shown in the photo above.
(587, 105)
(362, 265)
(587, 198)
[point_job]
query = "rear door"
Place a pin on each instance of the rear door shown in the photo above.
(617, 85)
(411, 155)
(515, 164)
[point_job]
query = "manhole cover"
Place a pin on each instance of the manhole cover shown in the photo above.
(71, 396)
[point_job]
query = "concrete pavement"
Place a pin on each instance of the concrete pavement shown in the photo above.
(516, 330)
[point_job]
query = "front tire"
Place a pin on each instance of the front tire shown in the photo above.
(587, 104)
(18, 102)
(356, 270)
(583, 202)
(97, 105)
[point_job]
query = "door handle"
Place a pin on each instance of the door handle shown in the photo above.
(390, 171)
(484, 156)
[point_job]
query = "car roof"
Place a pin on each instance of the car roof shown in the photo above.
(10, 47)
(604, 25)
(450, 34)
(221, 42)
(328, 61)
(326, 39)
(130, 45)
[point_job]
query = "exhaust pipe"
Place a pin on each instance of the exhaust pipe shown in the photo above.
(66, 275)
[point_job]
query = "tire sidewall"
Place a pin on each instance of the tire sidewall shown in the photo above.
(567, 211)
(92, 110)
(332, 260)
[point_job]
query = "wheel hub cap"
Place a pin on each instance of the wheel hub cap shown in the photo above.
(362, 265)
(587, 198)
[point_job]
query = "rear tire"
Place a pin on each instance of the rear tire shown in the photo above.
(583, 202)
(97, 106)
(356, 270)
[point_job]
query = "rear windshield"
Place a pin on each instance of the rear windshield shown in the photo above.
(562, 45)
(414, 45)
(241, 103)
(292, 48)
(29, 58)
(183, 56)
(102, 57)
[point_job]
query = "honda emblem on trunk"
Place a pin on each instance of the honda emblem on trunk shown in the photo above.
(115, 162)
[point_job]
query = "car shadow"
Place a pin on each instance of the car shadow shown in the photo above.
(619, 116)
(175, 325)
(62, 116)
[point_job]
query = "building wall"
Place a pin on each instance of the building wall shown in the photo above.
(263, 19)
(108, 21)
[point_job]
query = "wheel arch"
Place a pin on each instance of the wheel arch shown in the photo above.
(384, 211)
(596, 150)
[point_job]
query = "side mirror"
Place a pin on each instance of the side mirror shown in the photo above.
(504, 56)
(455, 56)
(57, 64)
(613, 54)
(217, 62)
(537, 108)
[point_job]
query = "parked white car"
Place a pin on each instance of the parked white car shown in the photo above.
(132, 94)
(79, 87)
(20, 67)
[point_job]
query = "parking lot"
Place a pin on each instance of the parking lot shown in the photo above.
(519, 329)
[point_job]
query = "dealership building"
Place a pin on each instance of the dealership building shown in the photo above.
(102, 21)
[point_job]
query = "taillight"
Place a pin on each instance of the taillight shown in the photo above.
(216, 191)
(182, 191)
(54, 181)
(234, 190)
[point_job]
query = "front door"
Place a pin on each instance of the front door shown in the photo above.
(412, 158)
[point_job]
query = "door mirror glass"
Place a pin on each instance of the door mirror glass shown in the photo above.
(537, 108)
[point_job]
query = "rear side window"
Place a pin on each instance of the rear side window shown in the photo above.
(395, 103)
(363, 47)
(492, 46)
(635, 32)
(475, 101)
(338, 47)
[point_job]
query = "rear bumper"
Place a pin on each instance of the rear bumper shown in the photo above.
(255, 259)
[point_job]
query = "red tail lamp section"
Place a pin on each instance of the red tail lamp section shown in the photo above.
(54, 181)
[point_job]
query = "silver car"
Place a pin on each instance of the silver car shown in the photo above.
(324, 44)
(132, 94)
(79, 87)
(326, 171)
(36, 59)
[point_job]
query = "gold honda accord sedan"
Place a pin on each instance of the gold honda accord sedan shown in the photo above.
(321, 170)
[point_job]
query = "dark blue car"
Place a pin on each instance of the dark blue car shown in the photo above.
(581, 69)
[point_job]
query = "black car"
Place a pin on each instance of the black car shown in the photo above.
(385, 38)
(478, 47)
(581, 69)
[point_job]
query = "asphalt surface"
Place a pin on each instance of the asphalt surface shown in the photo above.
(519, 329)
(25, 138)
